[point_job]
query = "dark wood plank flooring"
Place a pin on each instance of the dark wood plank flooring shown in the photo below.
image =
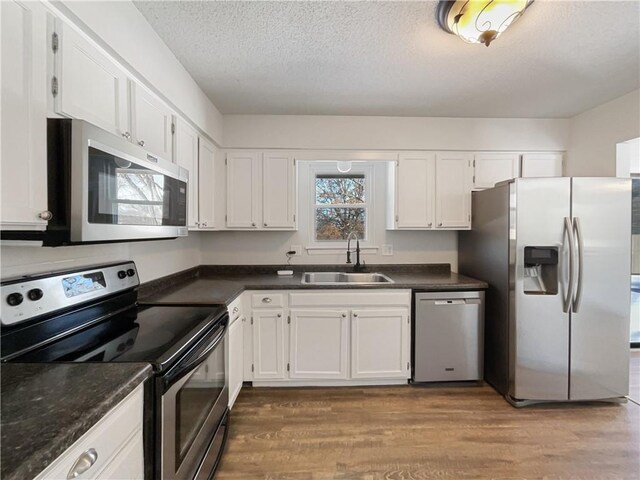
(416, 433)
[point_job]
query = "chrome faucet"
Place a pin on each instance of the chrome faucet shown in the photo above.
(357, 267)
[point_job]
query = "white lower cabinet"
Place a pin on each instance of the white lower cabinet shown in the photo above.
(111, 449)
(269, 344)
(330, 337)
(379, 343)
(319, 344)
(236, 359)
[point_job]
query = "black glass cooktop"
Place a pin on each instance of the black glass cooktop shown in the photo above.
(154, 334)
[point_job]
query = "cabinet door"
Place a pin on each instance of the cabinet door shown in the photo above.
(91, 86)
(415, 191)
(380, 343)
(243, 189)
(236, 359)
(186, 155)
(23, 115)
(278, 191)
(542, 165)
(206, 184)
(318, 344)
(268, 344)
(453, 190)
(491, 168)
(151, 121)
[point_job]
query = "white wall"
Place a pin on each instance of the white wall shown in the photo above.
(154, 259)
(594, 134)
(120, 28)
(394, 133)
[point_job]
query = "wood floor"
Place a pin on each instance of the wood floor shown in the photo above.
(416, 433)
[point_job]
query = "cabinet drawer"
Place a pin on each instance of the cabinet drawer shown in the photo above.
(107, 438)
(267, 300)
(235, 310)
(351, 298)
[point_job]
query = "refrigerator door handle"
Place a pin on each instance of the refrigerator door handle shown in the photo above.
(578, 234)
(568, 230)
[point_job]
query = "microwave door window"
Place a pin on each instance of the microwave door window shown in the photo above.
(124, 193)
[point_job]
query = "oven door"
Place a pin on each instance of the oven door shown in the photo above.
(193, 403)
(120, 192)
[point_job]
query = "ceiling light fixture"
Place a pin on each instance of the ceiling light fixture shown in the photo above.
(479, 21)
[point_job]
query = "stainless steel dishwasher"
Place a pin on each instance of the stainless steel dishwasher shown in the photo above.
(448, 336)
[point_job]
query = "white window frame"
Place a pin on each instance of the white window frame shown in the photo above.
(330, 168)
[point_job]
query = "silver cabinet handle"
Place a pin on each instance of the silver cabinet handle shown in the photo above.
(568, 229)
(46, 215)
(266, 300)
(126, 135)
(141, 143)
(577, 228)
(83, 463)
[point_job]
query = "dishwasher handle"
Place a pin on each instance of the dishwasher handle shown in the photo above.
(466, 301)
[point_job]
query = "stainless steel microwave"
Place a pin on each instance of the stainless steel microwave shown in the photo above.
(103, 188)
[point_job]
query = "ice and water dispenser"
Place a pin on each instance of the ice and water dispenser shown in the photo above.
(541, 270)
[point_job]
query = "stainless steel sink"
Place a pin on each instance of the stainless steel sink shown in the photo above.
(338, 278)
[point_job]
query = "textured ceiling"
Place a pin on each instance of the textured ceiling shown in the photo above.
(391, 58)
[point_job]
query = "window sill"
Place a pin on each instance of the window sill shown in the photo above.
(332, 250)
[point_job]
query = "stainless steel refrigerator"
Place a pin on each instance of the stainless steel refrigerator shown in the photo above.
(556, 253)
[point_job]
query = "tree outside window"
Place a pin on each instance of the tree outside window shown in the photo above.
(340, 206)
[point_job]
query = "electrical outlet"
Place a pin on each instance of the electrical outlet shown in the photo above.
(387, 250)
(297, 249)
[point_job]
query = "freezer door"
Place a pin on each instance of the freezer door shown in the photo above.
(539, 328)
(601, 211)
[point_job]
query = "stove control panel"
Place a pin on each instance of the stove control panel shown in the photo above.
(28, 297)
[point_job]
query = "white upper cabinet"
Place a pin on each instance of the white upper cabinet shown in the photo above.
(542, 165)
(319, 345)
(186, 156)
(453, 190)
(90, 85)
(243, 189)
(414, 191)
(491, 168)
(206, 184)
(151, 122)
(23, 115)
(380, 343)
(278, 191)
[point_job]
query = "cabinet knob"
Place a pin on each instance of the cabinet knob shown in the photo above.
(266, 300)
(253, 224)
(430, 224)
(126, 135)
(355, 314)
(344, 315)
(235, 309)
(440, 224)
(279, 315)
(141, 143)
(265, 224)
(46, 215)
(83, 463)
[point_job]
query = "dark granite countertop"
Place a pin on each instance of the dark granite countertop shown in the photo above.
(222, 284)
(47, 407)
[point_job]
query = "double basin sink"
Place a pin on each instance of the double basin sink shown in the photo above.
(341, 278)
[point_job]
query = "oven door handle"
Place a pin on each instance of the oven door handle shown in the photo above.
(172, 377)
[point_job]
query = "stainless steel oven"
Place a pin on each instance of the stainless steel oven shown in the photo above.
(193, 400)
(103, 188)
